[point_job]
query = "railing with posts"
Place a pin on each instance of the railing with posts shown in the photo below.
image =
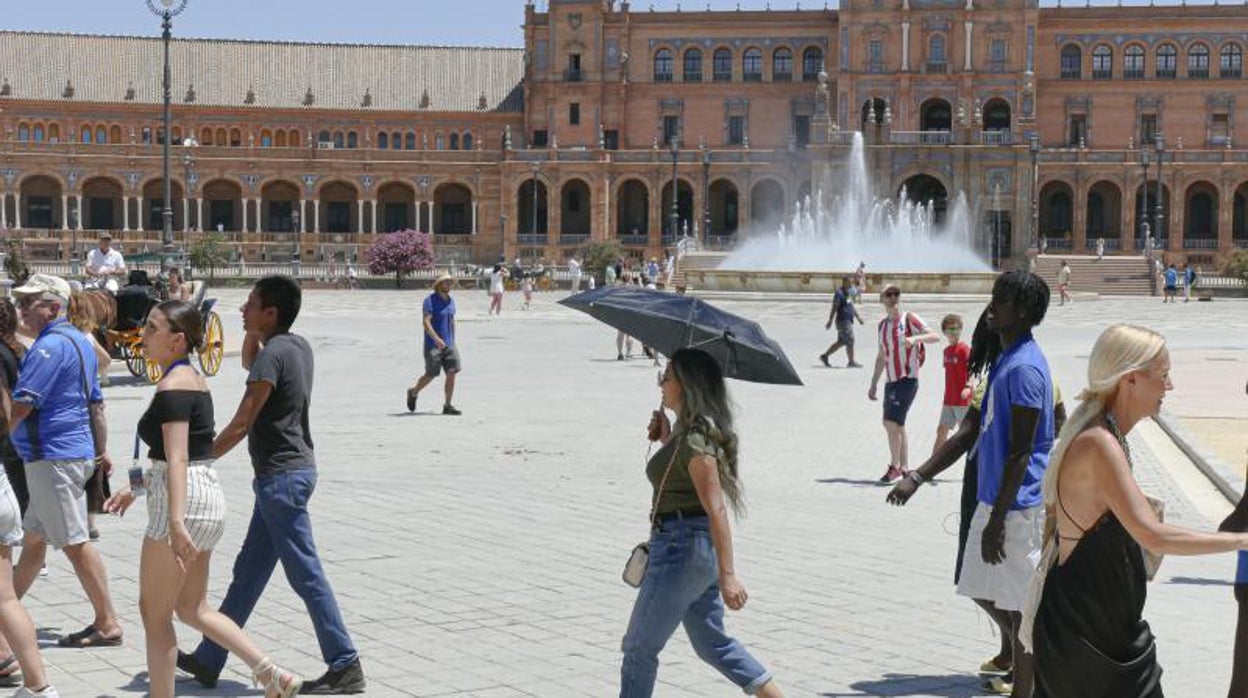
(719, 243)
(1222, 282)
(937, 67)
(532, 238)
(1240, 244)
(574, 239)
(693, 76)
(1058, 244)
(920, 137)
(573, 75)
(634, 240)
(1111, 245)
(1200, 243)
(996, 137)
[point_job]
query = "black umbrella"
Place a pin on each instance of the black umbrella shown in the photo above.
(667, 322)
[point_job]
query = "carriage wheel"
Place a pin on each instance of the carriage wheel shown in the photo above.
(154, 371)
(133, 357)
(214, 345)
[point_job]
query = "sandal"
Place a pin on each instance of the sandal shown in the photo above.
(277, 682)
(88, 637)
(1000, 685)
(991, 667)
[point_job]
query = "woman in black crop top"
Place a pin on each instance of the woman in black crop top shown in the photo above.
(185, 508)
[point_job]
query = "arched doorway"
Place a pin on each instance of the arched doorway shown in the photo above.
(339, 201)
(684, 209)
(154, 204)
(1239, 217)
(926, 190)
(1104, 212)
(224, 201)
(397, 204)
(996, 115)
(632, 209)
(575, 208)
(533, 213)
(278, 202)
(1057, 210)
(767, 204)
(935, 115)
(725, 207)
(1200, 222)
(452, 210)
(101, 204)
(40, 202)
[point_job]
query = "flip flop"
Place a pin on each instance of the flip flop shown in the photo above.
(7, 667)
(999, 685)
(990, 667)
(88, 637)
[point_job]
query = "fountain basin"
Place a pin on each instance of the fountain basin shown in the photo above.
(825, 282)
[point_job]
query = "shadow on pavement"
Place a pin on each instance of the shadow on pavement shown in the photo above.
(850, 481)
(949, 686)
(1200, 581)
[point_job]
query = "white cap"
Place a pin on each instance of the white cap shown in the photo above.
(40, 284)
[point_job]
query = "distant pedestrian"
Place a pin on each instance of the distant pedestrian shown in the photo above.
(843, 314)
(1063, 282)
(498, 282)
(652, 271)
(1100, 249)
(957, 380)
(860, 281)
(623, 343)
(574, 273)
(526, 288)
(691, 574)
(609, 275)
(1189, 280)
(592, 283)
(1171, 288)
(440, 351)
(901, 354)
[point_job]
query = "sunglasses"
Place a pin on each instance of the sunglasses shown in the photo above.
(892, 294)
(663, 377)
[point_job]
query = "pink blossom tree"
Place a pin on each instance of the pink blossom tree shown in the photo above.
(400, 253)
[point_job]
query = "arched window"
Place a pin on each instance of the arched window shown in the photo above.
(294, 138)
(722, 65)
(752, 65)
(467, 141)
(266, 139)
(812, 63)
(663, 65)
(409, 141)
(38, 133)
(323, 137)
(236, 138)
(338, 142)
(86, 134)
(693, 65)
(1198, 61)
(439, 142)
(114, 134)
(177, 136)
(1102, 62)
(1072, 62)
(454, 141)
(205, 137)
(1167, 61)
(383, 140)
(23, 132)
(220, 139)
(936, 49)
(54, 133)
(353, 139)
(279, 138)
(782, 65)
(1133, 62)
(101, 134)
(1232, 63)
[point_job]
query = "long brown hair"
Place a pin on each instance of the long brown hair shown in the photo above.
(705, 409)
(8, 328)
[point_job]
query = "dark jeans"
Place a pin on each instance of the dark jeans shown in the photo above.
(282, 530)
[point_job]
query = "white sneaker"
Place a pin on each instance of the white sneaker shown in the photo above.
(47, 692)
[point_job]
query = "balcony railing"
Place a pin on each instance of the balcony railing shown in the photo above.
(532, 239)
(752, 77)
(662, 77)
(574, 238)
(936, 67)
(1166, 73)
(920, 137)
(1200, 243)
(1240, 243)
(996, 137)
(723, 76)
(693, 77)
(1198, 73)
(782, 77)
(632, 240)
(1058, 243)
(809, 76)
(1133, 74)
(1220, 141)
(1111, 245)
(1232, 72)
(720, 243)
(573, 75)
(1070, 73)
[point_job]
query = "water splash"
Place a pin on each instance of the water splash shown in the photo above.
(858, 226)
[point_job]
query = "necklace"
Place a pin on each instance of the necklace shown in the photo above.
(1112, 423)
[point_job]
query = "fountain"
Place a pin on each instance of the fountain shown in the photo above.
(900, 242)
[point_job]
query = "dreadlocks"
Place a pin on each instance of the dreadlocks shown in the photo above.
(1026, 292)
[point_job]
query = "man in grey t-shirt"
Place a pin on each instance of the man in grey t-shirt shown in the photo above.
(274, 418)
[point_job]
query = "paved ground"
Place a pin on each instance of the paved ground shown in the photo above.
(480, 555)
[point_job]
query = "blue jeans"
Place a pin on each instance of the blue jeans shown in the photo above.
(282, 530)
(682, 586)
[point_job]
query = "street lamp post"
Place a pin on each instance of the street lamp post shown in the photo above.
(1034, 147)
(1158, 214)
(706, 194)
(536, 167)
(188, 163)
(166, 10)
(1142, 224)
(674, 214)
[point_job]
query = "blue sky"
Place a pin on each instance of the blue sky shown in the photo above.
(460, 23)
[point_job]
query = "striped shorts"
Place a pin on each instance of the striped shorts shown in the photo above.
(205, 504)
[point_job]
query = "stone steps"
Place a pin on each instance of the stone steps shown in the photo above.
(1111, 275)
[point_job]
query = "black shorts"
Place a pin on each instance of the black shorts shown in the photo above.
(845, 333)
(898, 396)
(438, 360)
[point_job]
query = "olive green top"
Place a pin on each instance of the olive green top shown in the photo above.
(678, 492)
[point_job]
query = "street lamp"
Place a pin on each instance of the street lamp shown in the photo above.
(1158, 214)
(1143, 218)
(537, 168)
(188, 162)
(674, 215)
(166, 10)
(1034, 147)
(706, 194)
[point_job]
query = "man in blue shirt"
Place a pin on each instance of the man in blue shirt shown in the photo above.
(1016, 435)
(843, 314)
(1171, 277)
(440, 352)
(58, 429)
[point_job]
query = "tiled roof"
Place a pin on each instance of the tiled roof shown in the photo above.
(37, 66)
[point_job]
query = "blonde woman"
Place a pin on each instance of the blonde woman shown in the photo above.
(1089, 637)
(185, 509)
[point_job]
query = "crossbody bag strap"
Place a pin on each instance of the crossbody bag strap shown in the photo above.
(86, 385)
(658, 495)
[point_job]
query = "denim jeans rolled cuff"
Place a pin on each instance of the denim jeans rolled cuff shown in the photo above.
(681, 586)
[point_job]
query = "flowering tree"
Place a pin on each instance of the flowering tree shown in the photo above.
(400, 253)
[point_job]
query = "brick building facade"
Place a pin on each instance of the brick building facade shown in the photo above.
(1050, 121)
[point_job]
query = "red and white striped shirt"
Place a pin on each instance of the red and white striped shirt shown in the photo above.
(900, 361)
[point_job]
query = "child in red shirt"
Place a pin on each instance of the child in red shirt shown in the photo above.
(957, 379)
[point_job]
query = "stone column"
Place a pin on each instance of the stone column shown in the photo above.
(1226, 217)
(243, 202)
(969, 46)
(138, 225)
(64, 212)
(259, 216)
(199, 213)
(316, 215)
(905, 47)
(17, 210)
(303, 217)
(125, 213)
(373, 229)
(186, 215)
(606, 212)
(359, 215)
(4, 209)
(1177, 218)
(1079, 236)
(474, 216)
(80, 214)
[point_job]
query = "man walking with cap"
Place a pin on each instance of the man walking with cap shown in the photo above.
(440, 351)
(104, 263)
(58, 428)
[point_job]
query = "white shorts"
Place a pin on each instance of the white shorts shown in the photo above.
(205, 504)
(57, 511)
(1006, 584)
(952, 415)
(10, 513)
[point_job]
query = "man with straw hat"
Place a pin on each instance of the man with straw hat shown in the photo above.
(440, 351)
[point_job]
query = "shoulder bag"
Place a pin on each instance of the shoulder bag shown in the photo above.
(639, 559)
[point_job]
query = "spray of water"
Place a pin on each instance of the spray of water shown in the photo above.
(837, 233)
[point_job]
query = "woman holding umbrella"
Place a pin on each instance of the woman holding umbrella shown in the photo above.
(691, 575)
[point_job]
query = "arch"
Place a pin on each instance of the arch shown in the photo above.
(1231, 60)
(37, 133)
(114, 134)
(236, 138)
(101, 134)
(339, 143)
(575, 208)
(102, 201)
(152, 215)
(632, 207)
(996, 115)
(279, 200)
(1200, 219)
(396, 202)
(1102, 62)
(721, 64)
(1239, 214)
(752, 65)
(1198, 60)
(873, 111)
(692, 66)
(725, 207)
(439, 141)
(926, 190)
(409, 141)
(767, 204)
(339, 206)
(39, 200)
(935, 115)
(1104, 212)
(223, 202)
(452, 209)
(383, 140)
(684, 207)
(467, 140)
(663, 65)
(279, 138)
(1167, 60)
(266, 138)
(205, 136)
(533, 215)
(85, 134)
(23, 131)
(454, 141)
(353, 139)
(1057, 210)
(782, 64)
(812, 63)
(54, 133)
(293, 138)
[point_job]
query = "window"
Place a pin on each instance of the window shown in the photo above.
(736, 130)
(997, 53)
(409, 141)
(1078, 131)
(611, 139)
(221, 139)
(23, 132)
(540, 138)
(1232, 64)
(812, 63)
(146, 136)
(752, 65)
(439, 142)
(39, 134)
(236, 138)
(573, 73)
(782, 65)
(1102, 63)
(1148, 128)
(454, 140)
(1220, 130)
(279, 139)
(1198, 61)
(801, 131)
(722, 65)
(693, 65)
(663, 66)
(1167, 60)
(936, 53)
(1133, 63)
(467, 141)
(114, 134)
(353, 139)
(266, 141)
(86, 134)
(671, 129)
(875, 56)
(574, 113)
(338, 141)
(101, 136)
(383, 140)
(574, 201)
(1072, 62)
